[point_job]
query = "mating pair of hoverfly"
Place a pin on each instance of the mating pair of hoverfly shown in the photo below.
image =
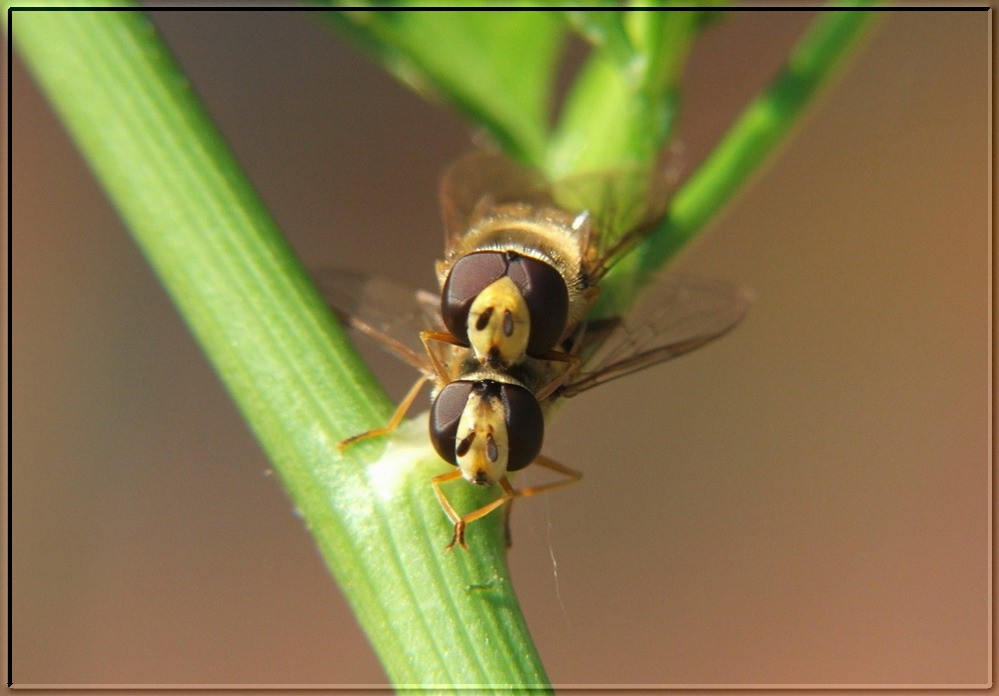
(511, 332)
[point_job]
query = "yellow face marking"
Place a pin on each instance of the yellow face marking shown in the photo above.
(499, 324)
(482, 448)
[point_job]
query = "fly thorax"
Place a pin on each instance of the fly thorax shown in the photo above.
(499, 324)
(482, 447)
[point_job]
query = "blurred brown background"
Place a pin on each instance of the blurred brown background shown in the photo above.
(806, 501)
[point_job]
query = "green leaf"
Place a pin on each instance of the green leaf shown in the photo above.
(495, 67)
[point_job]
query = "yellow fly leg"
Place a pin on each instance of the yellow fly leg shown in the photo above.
(407, 401)
(394, 421)
(571, 476)
(449, 510)
(572, 355)
(557, 356)
(570, 370)
(572, 366)
(509, 493)
(440, 337)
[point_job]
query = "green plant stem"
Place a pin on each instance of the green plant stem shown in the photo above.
(433, 618)
(621, 108)
(748, 144)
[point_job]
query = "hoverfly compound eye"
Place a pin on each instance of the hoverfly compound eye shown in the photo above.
(505, 304)
(547, 298)
(469, 276)
(486, 428)
(525, 423)
(445, 413)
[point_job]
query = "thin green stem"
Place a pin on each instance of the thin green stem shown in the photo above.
(275, 346)
(749, 143)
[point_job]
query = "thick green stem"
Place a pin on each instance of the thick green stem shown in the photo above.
(433, 618)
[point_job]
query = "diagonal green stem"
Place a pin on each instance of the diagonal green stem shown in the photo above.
(749, 143)
(278, 351)
(246, 298)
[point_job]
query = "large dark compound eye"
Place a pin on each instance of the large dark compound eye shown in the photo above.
(525, 425)
(521, 417)
(444, 416)
(542, 287)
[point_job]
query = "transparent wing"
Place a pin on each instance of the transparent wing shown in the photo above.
(476, 183)
(389, 312)
(620, 203)
(679, 314)
(623, 206)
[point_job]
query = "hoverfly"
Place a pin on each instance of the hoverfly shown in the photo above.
(508, 334)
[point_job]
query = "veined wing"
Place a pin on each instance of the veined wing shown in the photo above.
(621, 204)
(478, 182)
(387, 311)
(679, 314)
